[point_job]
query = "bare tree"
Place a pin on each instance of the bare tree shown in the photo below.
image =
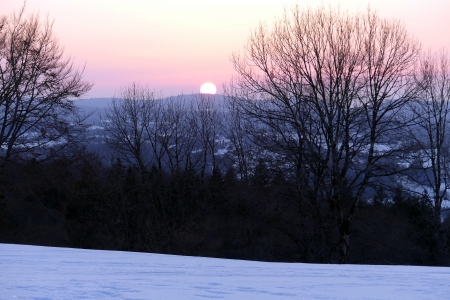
(36, 85)
(235, 127)
(127, 121)
(209, 126)
(173, 134)
(389, 58)
(321, 90)
(430, 128)
(156, 133)
(178, 133)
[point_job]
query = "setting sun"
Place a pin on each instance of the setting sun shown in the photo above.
(208, 88)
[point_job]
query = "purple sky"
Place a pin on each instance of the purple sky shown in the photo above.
(175, 46)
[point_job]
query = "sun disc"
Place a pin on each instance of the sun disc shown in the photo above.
(208, 88)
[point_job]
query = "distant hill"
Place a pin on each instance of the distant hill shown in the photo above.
(104, 102)
(94, 102)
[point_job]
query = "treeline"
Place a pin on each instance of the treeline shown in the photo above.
(81, 202)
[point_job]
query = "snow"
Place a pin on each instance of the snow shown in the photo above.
(32, 272)
(96, 127)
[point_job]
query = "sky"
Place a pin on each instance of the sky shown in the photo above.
(174, 46)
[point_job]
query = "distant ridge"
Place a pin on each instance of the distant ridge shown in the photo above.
(93, 102)
(104, 102)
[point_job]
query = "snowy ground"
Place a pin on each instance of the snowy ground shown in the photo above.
(31, 272)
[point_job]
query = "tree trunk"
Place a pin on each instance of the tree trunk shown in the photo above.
(344, 241)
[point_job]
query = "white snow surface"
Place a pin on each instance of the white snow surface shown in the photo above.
(33, 272)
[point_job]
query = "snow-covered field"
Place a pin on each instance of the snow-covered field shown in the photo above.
(31, 272)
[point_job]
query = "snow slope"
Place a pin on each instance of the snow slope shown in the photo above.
(31, 272)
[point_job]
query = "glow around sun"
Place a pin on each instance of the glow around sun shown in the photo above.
(208, 88)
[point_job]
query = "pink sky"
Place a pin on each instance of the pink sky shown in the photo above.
(176, 45)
